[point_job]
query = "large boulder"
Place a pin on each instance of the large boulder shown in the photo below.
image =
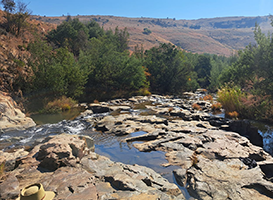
(11, 117)
(58, 151)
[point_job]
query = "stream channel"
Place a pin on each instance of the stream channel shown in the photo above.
(107, 145)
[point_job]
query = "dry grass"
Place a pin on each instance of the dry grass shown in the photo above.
(207, 98)
(230, 98)
(195, 106)
(233, 115)
(216, 106)
(59, 105)
(144, 92)
(2, 167)
(208, 39)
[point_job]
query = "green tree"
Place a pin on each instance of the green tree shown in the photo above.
(9, 8)
(112, 71)
(122, 39)
(55, 72)
(71, 34)
(202, 68)
(218, 64)
(16, 15)
(94, 29)
(168, 67)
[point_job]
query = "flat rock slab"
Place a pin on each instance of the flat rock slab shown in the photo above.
(83, 174)
(213, 161)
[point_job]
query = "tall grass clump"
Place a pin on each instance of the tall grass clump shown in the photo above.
(258, 107)
(230, 98)
(59, 105)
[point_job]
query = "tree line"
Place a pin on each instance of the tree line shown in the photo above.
(86, 62)
(82, 58)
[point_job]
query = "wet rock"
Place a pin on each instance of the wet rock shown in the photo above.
(180, 176)
(243, 127)
(84, 114)
(106, 124)
(98, 108)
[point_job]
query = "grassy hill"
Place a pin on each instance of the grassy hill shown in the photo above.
(216, 36)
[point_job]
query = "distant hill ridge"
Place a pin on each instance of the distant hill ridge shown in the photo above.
(221, 36)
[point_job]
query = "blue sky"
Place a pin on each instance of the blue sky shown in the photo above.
(179, 9)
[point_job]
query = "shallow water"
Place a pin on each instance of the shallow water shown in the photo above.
(56, 117)
(107, 145)
(112, 147)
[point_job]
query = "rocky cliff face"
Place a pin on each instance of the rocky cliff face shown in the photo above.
(11, 117)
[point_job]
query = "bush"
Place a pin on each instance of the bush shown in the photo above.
(230, 98)
(59, 105)
(216, 106)
(144, 92)
(147, 31)
(233, 115)
(246, 105)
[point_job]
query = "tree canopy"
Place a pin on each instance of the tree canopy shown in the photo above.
(168, 68)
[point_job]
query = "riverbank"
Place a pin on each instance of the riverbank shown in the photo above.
(210, 160)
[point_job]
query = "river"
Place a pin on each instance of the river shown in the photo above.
(105, 144)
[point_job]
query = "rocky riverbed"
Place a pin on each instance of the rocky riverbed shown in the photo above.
(213, 161)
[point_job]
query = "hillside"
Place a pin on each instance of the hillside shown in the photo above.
(216, 36)
(13, 54)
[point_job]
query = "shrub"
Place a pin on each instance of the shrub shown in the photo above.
(59, 105)
(257, 107)
(233, 115)
(144, 92)
(230, 98)
(147, 31)
(246, 105)
(216, 106)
